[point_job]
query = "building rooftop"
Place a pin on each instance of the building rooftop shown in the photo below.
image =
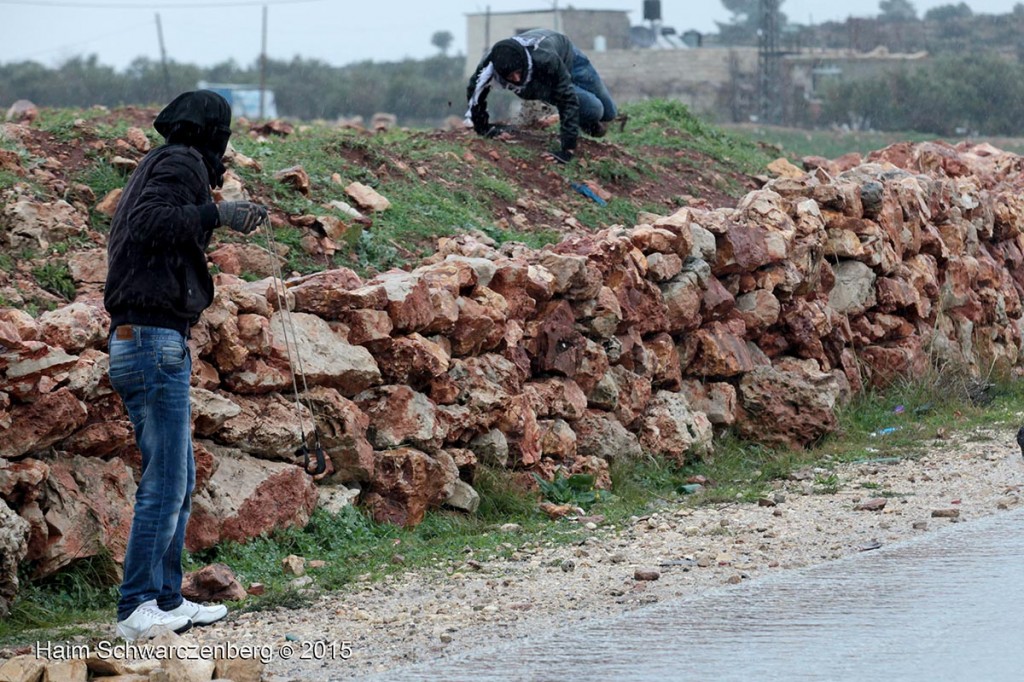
(549, 11)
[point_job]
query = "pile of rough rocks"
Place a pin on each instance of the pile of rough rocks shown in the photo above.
(762, 318)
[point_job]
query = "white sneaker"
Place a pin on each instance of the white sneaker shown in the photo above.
(149, 621)
(199, 614)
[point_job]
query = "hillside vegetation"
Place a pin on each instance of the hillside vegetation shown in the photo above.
(439, 183)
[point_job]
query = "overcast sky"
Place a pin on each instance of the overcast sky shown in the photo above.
(335, 31)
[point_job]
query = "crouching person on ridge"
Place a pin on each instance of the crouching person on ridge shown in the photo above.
(157, 285)
(543, 65)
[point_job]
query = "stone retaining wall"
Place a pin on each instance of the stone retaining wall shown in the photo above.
(650, 338)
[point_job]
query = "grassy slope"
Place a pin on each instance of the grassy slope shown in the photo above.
(439, 183)
(796, 143)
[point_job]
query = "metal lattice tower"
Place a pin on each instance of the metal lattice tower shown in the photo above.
(769, 61)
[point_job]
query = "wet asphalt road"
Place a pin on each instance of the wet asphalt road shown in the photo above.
(946, 606)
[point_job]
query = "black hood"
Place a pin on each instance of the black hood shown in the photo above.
(201, 120)
(509, 56)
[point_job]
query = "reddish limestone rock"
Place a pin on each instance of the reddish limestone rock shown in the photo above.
(245, 259)
(248, 497)
(37, 426)
(446, 311)
(683, 298)
(518, 422)
(512, 281)
(22, 480)
(759, 310)
(889, 362)
(788, 408)
(473, 328)
(408, 300)
(401, 416)
(640, 300)
(670, 428)
(367, 326)
(407, 482)
(213, 583)
(557, 439)
(552, 341)
(453, 275)
(634, 394)
(331, 293)
(100, 439)
(599, 434)
(75, 327)
(556, 397)
(87, 505)
(593, 366)
(666, 373)
(741, 249)
(717, 302)
(720, 353)
(206, 464)
(412, 360)
(343, 428)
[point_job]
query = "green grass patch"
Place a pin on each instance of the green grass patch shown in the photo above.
(535, 240)
(795, 143)
(9, 179)
(63, 123)
(670, 124)
(63, 604)
(497, 188)
(102, 178)
(55, 277)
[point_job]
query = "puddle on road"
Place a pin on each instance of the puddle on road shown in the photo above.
(946, 606)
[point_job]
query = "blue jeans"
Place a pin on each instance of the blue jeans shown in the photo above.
(595, 102)
(150, 369)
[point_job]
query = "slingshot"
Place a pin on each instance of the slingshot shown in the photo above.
(307, 449)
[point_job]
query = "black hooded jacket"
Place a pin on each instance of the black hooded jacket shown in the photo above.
(157, 270)
(550, 82)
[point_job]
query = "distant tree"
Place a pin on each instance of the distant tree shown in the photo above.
(442, 40)
(1018, 9)
(978, 93)
(897, 10)
(745, 21)
(417, 91)
(949, 12)
(742, 10)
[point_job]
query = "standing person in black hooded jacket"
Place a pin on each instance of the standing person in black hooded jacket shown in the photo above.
(543, 65)
(157, 286)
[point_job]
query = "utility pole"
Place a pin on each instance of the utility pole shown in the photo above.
(769, 61)
(263, 65)
(487, 30)
(163, 58)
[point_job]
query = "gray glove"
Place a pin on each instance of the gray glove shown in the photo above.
(241, 216)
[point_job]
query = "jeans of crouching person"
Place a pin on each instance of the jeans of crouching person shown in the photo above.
(150, 369)
(596, 104)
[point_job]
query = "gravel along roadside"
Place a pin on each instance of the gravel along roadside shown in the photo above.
(817, 516)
